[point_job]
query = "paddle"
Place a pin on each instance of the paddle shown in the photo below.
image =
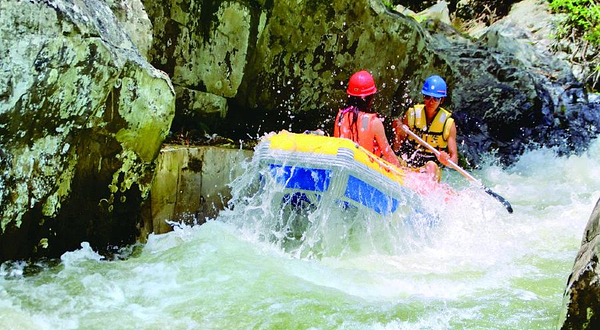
(460, 170)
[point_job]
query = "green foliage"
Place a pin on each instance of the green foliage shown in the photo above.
(581, 27)
(583, 18)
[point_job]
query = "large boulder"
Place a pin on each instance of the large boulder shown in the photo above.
(513, 93)
(271, 65)
(82, 118)
(581, 301)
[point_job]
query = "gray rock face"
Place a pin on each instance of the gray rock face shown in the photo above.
(82, 117)
(202, 43)
(135, 22)
(581, 301)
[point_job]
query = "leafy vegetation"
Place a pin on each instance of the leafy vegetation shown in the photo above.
(581, 27)
(583, 19)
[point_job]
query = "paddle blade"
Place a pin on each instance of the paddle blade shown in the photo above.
(500, 199)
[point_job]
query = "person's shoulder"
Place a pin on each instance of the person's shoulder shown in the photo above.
(376, 120)
(446, 110)
(415, 108)
(368, 114)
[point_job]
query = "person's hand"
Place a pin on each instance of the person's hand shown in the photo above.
(443, 158)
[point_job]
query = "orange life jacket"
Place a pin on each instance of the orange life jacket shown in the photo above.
(356, 125)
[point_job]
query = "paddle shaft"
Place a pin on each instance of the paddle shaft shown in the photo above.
(459, 169)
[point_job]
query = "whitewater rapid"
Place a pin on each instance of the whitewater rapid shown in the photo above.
(478, 267)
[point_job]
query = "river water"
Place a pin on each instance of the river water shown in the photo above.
(477, 267)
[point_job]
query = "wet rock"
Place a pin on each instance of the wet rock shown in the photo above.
(581, 301)
(421, 5)
(135, 22)
(198, 111)
(81, 123)
(202, 45)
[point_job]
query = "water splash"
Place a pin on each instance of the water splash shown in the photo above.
(315, 226)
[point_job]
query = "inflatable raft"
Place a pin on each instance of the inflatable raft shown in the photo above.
(310, 168)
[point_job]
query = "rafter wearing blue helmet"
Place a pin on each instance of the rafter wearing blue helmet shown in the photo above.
(433, 124)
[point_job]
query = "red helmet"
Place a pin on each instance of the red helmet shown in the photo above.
(361, 84)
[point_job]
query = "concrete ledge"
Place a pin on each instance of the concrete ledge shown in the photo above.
(190, 184)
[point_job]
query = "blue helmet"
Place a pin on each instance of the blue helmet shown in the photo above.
(434, 86)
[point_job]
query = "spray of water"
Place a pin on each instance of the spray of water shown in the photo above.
(313, 225)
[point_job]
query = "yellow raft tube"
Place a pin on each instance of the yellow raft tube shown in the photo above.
(309, 166)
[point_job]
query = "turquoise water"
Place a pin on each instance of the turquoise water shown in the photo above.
(478, 268)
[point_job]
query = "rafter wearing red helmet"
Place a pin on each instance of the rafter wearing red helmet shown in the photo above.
(359, 123)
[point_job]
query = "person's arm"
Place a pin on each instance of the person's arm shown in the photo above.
(452, 153)
(382, 142)
(399, 134)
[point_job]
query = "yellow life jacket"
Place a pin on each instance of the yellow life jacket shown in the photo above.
(437, 134)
